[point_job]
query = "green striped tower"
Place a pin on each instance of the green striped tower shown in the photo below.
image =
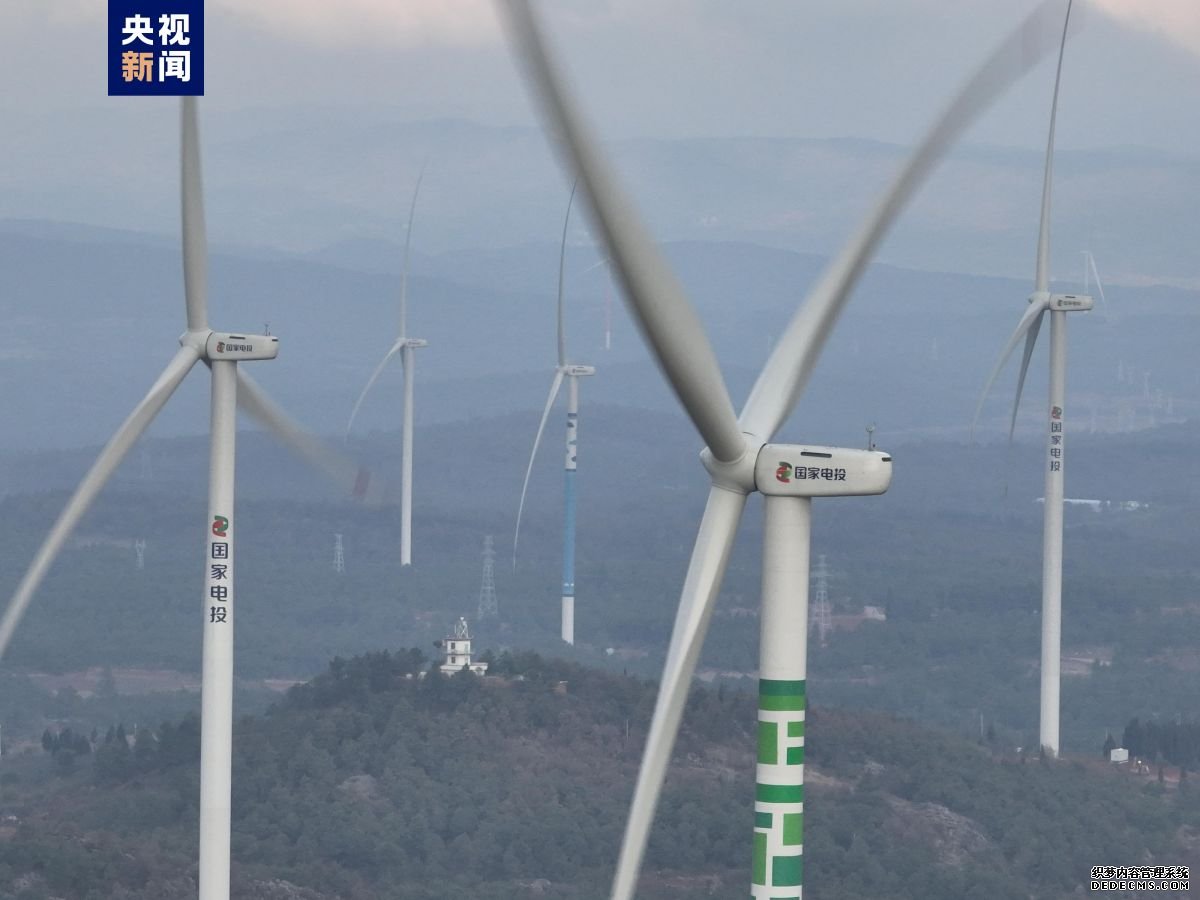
(778, 865)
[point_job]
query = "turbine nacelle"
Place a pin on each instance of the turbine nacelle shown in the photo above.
(802, 470)
(575, 371)
(415, 343)
(225, 345)
(795, 470)
(1062, 302)
(1070, 302)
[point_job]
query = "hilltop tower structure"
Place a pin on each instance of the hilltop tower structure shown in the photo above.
(458, 652)
(339, 554)
(822, 615)
(488, 607)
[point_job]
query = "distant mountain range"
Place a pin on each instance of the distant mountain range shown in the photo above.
(91, 316)
(336, 183)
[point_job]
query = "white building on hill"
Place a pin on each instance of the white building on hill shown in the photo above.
(458, 652)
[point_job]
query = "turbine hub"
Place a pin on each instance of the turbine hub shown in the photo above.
(737, 475)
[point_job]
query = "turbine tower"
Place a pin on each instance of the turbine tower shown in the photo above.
(139, 549)
(571, 372)
(220, 351)
(339, 554)
(488, 607)
(405, 346)
(1042, 301)
(738, 457)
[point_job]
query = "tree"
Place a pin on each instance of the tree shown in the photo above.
(106, 686)
(1110, 745)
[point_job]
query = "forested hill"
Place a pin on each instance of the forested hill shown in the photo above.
(369, 782)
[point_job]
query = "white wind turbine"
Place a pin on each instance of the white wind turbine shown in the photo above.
(1042, 301)
(738, 458)
(220, 351)
(571, 372)
(404, 346)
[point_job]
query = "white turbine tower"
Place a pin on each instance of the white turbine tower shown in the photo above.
(738, 458)
(404, 346)
(1042, 301)
(571, 372)
(220, 351)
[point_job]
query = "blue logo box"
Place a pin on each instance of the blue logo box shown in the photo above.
(155, 48)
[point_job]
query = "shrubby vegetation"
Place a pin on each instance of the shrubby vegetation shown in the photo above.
(383, 779)
(954, 562)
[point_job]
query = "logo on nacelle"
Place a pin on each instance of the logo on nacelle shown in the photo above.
(786, 472)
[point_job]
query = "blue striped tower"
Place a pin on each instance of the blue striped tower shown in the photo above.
(568, 586)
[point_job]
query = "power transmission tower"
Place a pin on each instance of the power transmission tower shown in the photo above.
(339, 556)
(822, 618)
(139, 547)
(487, 590)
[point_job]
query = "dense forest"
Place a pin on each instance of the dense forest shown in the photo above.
(952, 563)
(372, 781)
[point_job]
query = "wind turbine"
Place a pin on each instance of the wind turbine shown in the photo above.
(1042, 301)
(571, 372)
(404, 346)
(221, 351)
(739, 458)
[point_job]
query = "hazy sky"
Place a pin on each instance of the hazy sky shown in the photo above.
(300, 94)
(870, 68)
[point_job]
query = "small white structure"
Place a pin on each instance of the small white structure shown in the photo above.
(458, 652)
(1118, 755)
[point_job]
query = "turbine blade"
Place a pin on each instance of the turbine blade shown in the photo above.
(412, 212)
(537, 439)
(354, 479)
(796, 353)
(562, 258)
(668, 321)
(705, 572)
(1042, 271)
(1031, 337)
(396, 348)
(106, 463)
(1099, 285)
(195, 239)
(1032, 314)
